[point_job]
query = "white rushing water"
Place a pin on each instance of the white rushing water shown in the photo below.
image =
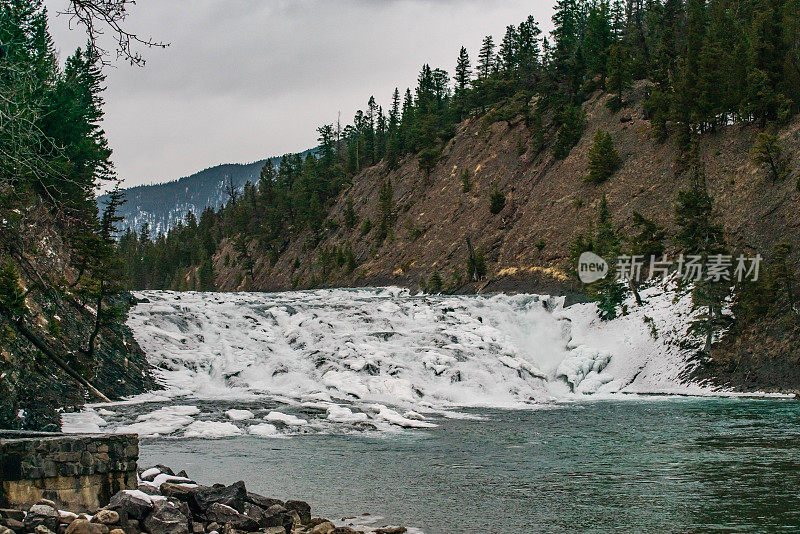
(382, 359)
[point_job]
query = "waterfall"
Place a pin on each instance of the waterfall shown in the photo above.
(358, 357)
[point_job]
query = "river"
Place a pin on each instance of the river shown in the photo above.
(501, 414)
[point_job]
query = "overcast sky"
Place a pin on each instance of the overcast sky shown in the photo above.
(246, 79)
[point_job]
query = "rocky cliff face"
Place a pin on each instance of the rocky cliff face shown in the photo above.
(547, 204)
(33, 387)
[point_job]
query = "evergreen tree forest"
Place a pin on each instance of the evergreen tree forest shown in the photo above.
(711, 63)
(53, 156)
(61, 275)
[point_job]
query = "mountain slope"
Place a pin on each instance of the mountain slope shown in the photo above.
(547, 204)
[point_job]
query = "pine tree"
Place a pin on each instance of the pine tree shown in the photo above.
(605, 241)
(463, 71)
(386, 215)
(767, 150)
(528, 52)
(508, 56)
(598, 39)
(700, 234)
(497, 200)
(462, 78)
(618, 74)
(604, 159)
(573, 121)
(486, 58)
(393, 141)
(783, 274)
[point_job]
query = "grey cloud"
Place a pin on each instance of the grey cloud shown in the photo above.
(243, 79)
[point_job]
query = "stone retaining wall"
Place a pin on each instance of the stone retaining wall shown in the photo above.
(80, 472)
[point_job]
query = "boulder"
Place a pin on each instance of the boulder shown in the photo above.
(151, 472)
(65, 517)
(272, 517)
(276, 509)
(294, 517)
(83, 526)
(228, 529)
(5, 530)
(47, 502)
(15, 525)
(106, 517)
(42, 514)
(11, 513)
(302, 508)
(273, 530)
(131, 504)
(166, 518)
(41, 529)
(183, 492)
(346, 530)
(233, 496)
(260, 500)
(116, 531)
(256, 513)
(149, 489)
(228, 516)
(325, 527)
(391, 530)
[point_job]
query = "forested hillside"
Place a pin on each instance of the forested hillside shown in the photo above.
(161, 206)
(62, 339)
(641, 127)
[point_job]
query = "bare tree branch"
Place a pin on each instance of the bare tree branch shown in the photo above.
(98, 15)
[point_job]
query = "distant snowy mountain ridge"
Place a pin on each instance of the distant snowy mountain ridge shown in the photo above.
(163, 205)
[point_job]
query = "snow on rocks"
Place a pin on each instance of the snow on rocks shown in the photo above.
(391, 416)
(211, 429)
(150, 474)
(286, 419)
(161, 422)
(239, 415)
(343, 414)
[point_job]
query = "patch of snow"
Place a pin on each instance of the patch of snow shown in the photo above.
(142, 496)
(343, 414)
(286, 419)
(161, 422)
(163, 477)
(391, 416)
(150, 473)
(87, 421)
(211, 429)
(239, 415)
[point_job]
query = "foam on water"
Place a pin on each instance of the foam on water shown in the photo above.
(382, 359)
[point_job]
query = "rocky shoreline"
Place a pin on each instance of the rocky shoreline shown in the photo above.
(171, 503)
